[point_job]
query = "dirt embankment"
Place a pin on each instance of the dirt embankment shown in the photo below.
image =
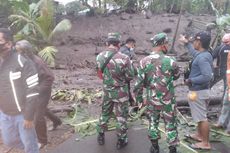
(78, 47)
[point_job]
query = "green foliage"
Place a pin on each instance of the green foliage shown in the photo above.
(5, 7)
(74, 7)
(81, 121)
(222, 22)
(5, 11)
(198, 5)
(60, 9)
(35, 23)
(78, 95)
(48, 54)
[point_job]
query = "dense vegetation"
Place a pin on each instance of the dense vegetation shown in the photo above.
(38, 22)
(192, 6)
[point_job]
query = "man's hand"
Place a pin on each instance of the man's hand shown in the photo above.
(188, 82)
(28, 124)
(183, 40)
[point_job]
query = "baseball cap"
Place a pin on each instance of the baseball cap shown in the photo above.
(203, 36)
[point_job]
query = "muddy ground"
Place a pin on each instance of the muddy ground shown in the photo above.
(78, 49)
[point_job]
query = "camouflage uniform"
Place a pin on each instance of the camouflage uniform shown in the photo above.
(118, 71)
(156, 73)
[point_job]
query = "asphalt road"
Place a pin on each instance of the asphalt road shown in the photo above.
(138, 143)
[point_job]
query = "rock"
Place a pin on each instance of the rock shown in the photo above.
(149, 32)
(75, 50)
(148, 14)
(167, 30)
(124, 16)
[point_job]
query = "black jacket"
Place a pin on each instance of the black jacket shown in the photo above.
(45, 75)
(221, 53)
(19, 86)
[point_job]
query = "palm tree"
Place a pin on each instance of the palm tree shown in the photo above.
(35, 22)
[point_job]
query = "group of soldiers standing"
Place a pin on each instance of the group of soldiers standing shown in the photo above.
(155, 74)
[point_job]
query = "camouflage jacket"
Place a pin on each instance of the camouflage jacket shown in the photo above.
(156, 73)
(116, 74)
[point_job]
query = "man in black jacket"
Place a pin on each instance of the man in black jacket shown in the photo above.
(128, 48)
(18, 96)
(220, 53)
(46, 79)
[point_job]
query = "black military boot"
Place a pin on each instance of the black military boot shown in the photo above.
(172, 149)
(155, 147)
(121, 143)
(101, 138)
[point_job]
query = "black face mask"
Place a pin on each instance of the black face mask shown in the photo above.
(2, 47)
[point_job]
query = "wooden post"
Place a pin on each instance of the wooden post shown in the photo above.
(172, 50)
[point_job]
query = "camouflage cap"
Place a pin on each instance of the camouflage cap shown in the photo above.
(159, 39)
(114, 36)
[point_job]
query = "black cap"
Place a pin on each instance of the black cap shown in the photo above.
(204, 37)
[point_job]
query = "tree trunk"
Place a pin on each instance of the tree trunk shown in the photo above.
(105, 8)
(165, 5)
(85, 2)
(94, 3)
(172, 6)
(99, 3)
(213, 101)
(92, 11)
(226, 6)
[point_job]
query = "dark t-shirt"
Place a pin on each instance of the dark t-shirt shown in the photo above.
(221, 53)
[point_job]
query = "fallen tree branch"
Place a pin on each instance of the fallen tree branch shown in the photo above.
(62, 108)
(213, 101)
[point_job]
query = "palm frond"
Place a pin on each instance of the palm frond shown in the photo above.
(62, 26)
(45, 20)
(19, 5)
(48, 55)
(223, 20)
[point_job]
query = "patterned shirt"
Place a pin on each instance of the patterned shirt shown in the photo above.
(117, 73)
(156, 73)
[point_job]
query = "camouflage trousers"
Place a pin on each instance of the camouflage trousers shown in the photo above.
(168, 114)
(117, 108)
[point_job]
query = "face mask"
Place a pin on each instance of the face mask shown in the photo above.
(131, 49)
(2, 47)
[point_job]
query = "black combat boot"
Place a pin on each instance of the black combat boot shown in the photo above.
(172, 149)
(155, 147)
(121, 143)
(101, 138)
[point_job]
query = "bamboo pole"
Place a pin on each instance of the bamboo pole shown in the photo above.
(172, 50)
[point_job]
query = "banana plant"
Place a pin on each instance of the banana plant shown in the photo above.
(35, 22)
(221, 23)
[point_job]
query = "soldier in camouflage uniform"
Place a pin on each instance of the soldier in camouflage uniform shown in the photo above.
(115, 75)
(156, 74)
